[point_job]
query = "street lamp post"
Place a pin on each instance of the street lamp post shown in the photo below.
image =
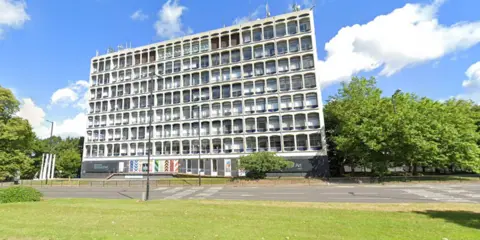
(199, 146)
(149, 149)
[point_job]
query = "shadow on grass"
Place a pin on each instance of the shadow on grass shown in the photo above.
(463, 218)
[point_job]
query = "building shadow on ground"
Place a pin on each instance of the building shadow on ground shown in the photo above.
(463, 218)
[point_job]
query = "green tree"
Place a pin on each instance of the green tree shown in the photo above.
(258, 164)
(16, 137)
(368, 130)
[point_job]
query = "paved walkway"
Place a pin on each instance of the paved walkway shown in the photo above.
(459, 193)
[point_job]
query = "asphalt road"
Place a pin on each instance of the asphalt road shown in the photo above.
(460, 193)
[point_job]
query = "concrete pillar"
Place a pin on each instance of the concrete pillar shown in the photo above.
(40, 175)
(53, 167)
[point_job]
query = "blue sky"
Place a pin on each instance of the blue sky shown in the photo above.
(429, 47)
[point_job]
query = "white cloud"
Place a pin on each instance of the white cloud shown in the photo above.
(251, 17)
(69, 127)
(70, 94)
(138, 15)
(405, 37)
(472, 83)
(12, 14)
(64, 95)
(169, 23)
(35, 116)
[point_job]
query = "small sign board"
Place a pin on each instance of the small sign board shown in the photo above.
(133, 176)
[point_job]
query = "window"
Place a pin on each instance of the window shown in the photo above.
(282, 47)
(259, 87)
(268, 32)
(235, 39)
(237, 90)
(225, 41)
(308, 62)
(305, 25)
(186, 80)
(195, 63)
(236, 72)
(169, 52)
(306, 43)
(272, 85)
(195, 79)
(298, 101)
(286, 103)
(257, 34)
(178, 51)
(310, 80)
(295, 63)
(215, 43)
(247, 70)
(205, 94)
(247, 36)
(216, 75)
(297, 82)
(216, 92)
(195, 47)
(168, 68)
(293, 45)
(271, 69)
(280, 29)
(186, 96)
(225, 57)
(312, 100)
(186, 64)
(205, 61)
(248, 88)
(226, 74)
(258, 50)
(269, 50)
(204, 45)
(186, 49)
(315, 141)
(292, 27)
(177, 66)
(283, 65)
(225, 91)
(260, 103)
(215, 59)
(235, 56)
(247, 53)
(259, 69)
(284, 84)
(205, 77)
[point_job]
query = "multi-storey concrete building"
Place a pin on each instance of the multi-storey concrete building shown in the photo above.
(245, 88)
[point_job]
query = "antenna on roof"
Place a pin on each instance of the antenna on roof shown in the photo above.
(267, 11)
(313, 5)
(295, 7)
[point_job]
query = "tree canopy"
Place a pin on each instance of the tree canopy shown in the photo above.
(404, 130)
(21, 151)
(16, 137)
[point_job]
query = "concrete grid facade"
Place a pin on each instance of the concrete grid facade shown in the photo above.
(245, 88)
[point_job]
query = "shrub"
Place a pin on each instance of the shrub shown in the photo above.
(259, 163)
(19, 194)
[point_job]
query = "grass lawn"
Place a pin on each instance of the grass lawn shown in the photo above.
(202, 219)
